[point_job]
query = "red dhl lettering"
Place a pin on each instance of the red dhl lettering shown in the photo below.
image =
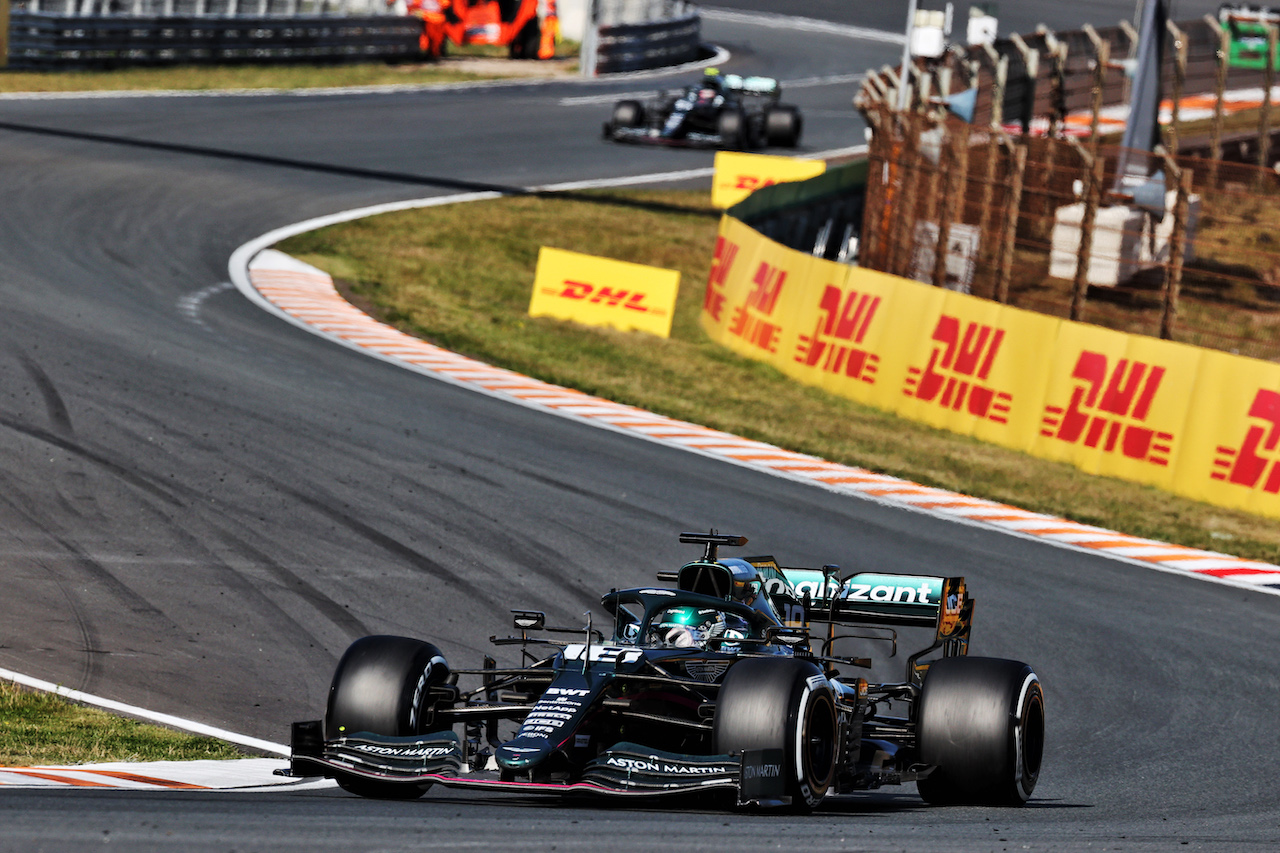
(752, 183)
(843, 320)
(576, 290)
(721, 263)
(1107, 408)
(607, 296)
(768, 282)
(968, 358)
(1245, 466)
(713, 303)
(755, 330)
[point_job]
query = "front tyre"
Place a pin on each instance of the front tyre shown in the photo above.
(787, 704)
(981, 724)
(628, 114)
(731, 127)
(382, 686)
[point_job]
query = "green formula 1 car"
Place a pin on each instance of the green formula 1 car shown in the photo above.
(725, 684)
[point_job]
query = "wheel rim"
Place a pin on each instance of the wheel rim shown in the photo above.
(819, 743)
(1032, 726)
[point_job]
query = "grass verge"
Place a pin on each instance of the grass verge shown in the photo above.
(461, 276)
(41, 728)
(453, 69)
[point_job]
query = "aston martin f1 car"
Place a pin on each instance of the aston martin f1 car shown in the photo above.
(726, 685)
(721, 111)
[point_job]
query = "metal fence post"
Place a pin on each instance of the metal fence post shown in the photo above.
(953, 208)
(590, 40)
(1179, 81)
(1223, 54)
(905, 215)
(1102, 55)
(877, 175)
(1264, 116)
(1093, 196)
(1177, 248)
(1018, 154)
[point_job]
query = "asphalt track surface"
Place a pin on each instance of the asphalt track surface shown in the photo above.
(200, 505)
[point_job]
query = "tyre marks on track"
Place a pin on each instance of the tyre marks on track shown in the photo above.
(307, 297)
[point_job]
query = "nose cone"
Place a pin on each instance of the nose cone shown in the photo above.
(552, 721)
(523, 754)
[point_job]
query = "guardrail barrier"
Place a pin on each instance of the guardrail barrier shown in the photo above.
(655, 44)
(43, 41)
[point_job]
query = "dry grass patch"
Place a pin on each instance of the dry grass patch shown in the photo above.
(472, 65)
(461, 276)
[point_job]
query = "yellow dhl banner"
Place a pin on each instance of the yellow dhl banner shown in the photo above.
(603, 292)
(739, 175)
(1196, 422)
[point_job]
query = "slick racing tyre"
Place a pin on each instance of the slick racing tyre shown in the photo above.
(782, 126)
(734, 133)
(628, 114)
(981, 724)
(382, 686)
(787, 704)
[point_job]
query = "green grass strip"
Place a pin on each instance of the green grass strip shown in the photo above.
(461, 276)
(41, 728)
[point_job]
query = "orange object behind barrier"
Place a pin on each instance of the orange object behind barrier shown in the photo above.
(1196, 422)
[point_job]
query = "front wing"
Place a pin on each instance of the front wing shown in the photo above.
(624, 770)
(643, 136)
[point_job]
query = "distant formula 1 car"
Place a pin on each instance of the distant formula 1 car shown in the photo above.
(721, 111)
(726, 685)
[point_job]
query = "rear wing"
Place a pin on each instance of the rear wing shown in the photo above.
(752, 85)
(868, 598)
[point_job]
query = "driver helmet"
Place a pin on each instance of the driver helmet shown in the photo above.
(689, 627)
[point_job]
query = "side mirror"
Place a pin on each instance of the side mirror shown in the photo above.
(529, 620)
(785, 635)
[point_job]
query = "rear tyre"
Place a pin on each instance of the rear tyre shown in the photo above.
(787, 704)
(782, 126)
(733, 131)
(382, 686)
(981, 723)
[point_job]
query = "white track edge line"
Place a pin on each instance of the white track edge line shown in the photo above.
(794, 22)
(238, 267)
(154, 716)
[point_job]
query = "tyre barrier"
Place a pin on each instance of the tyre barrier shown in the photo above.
(641, 47)
(43, 41)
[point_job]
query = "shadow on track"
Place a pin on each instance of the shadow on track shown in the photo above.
(349, 171)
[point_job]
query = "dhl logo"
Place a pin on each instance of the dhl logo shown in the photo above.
(604, 295)
(747, 322)
(1103, 399)
(721, 264)
(835, 343)
(967, 356)
(1245, 466)
(752, 183)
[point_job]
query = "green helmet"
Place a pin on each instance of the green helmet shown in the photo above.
(684, 626)
(687, 615)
